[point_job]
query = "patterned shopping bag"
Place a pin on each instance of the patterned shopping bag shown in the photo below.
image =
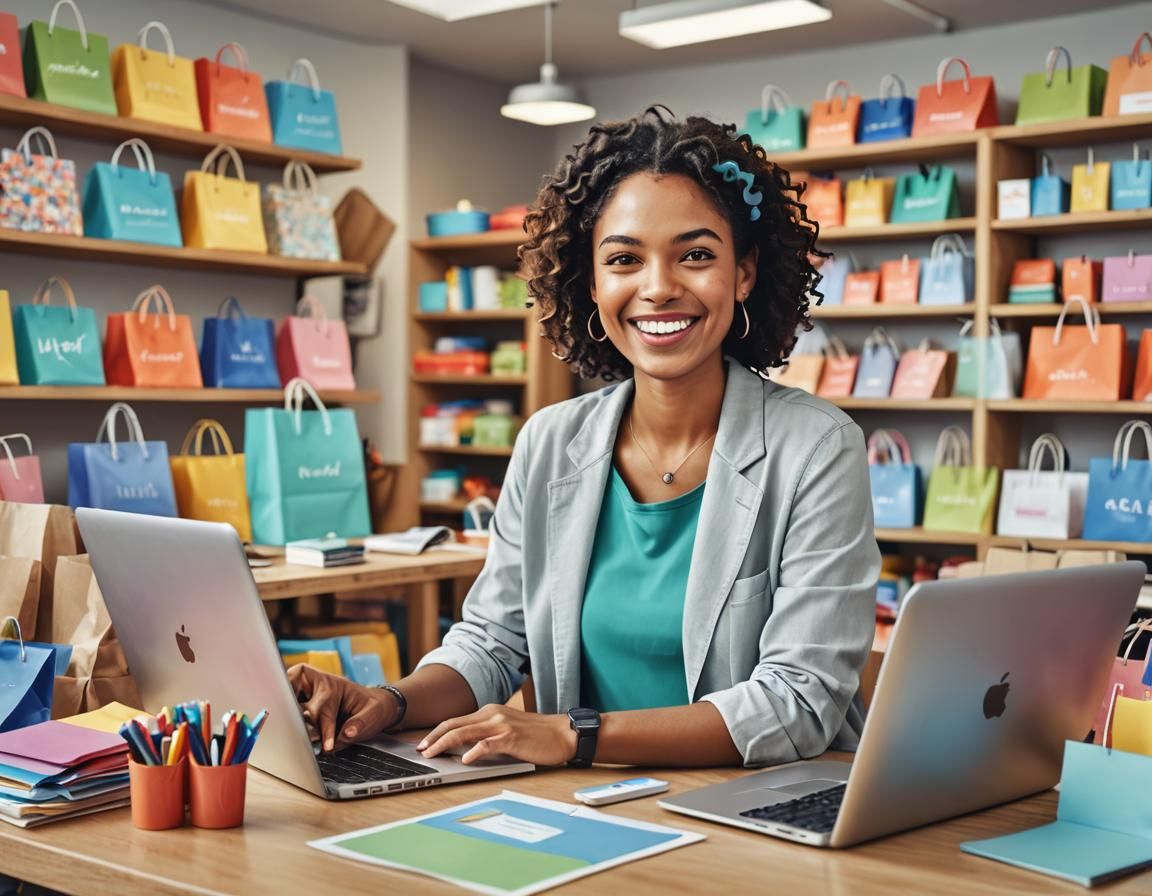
(303, 115)
(298, 219)
(38, 190)
(778, 125)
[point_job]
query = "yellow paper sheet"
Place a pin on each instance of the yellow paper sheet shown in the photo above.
(107, 718)
(324, 660)
(1132, 726)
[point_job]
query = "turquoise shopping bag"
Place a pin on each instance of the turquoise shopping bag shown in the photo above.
(131, 204)
(778, 125)
(57, 346)
(303, 115)
(1051, 194)
(1131, 183)
(928, 195)
(305, 470)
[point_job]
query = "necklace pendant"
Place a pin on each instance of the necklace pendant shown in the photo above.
(667, 477)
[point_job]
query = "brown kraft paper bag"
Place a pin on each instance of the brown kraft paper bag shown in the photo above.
(39, 532)
(20, 591)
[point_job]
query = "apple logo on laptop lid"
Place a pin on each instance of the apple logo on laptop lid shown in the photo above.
(996, 697)
(185, 644)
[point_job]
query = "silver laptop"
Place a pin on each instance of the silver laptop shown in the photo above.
(190, 620)
(983, 682)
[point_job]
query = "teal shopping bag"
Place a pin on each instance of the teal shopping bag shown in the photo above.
(69, 68)
(1053, 95)
(305, 470)
(1131, 182)
(57, 346)
(778, 125)
(928, 195)
(988, 366)
(133, 204)
(303, 116)
(1051, 194)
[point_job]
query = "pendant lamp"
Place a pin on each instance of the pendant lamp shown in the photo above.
(547, 102)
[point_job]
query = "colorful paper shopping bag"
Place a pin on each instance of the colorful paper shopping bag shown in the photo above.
(833, 272)
(861, 288)
(211, 487)
(28, 672)
(1051, 194)
(868, 200)
(889, 117)
(1080, 279)
(57, 346)
(219, 212)
(946, 107)
(232, 100)
(824, 201)
(238, 351)
(38, 190)
(833, 120)
(20, 479)
(877, 367)
(948, 272)
(303, 116)
(132, 476)
(312, 347)
(923, 373)
(961, 497)
(1067, 363)
(1056, 95)
(1090, 185)
(895, 481)
(1127, 672)
(156, 86)
(151, 349)
(9, 375)
(1129, 90)
(1131, 182)
(778, 125)
(68, 68)
(305, 470)
(1142, 383)
(11, 69)
(988, 366)
(1127, 278)
(900, 281)
(298, 219)
(839, 373)
(1119, 506)
(1038, 503)
(1033, 281)
(929, 194)
(135, 204)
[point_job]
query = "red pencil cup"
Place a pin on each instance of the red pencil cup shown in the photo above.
(158, 795)
(216, 794)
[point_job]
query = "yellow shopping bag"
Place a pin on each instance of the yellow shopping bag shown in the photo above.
(1090, 186)
(153, 85)
(8, 374)
(211, 486)
(868, 200)
(324, 660)
(1132, 725)
(218, 212)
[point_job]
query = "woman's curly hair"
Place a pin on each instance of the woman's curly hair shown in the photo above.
(558, 253)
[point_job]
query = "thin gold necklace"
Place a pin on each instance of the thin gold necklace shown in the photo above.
(668, 476)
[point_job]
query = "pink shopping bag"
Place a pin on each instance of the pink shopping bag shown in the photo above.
(20, 480)
(314, 348)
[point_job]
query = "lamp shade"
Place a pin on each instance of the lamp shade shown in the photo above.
(546, 102)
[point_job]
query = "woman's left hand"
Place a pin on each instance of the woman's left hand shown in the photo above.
(496, 729)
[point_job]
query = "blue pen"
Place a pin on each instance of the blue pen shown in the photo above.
(249, 742)
(132, 734)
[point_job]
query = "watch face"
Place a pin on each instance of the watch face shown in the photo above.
(584, 718)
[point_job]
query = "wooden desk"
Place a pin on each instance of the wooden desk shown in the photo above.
(421, 574)
(103, 854)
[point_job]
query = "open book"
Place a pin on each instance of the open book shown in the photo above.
(415, 541)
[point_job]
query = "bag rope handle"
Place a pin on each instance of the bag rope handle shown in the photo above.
(44, 292)
(79, 21)
(132, 423)
(4, 622)
(774, 96)
(309, 70)
(942, 70)
(1091, 319)
(8, 450)
(24, 147)
(170, 48)
(1052, 60)
(223, 153)
(294, 393)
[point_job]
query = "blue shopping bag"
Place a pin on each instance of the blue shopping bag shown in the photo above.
(889, 117)
(28, 673)
(1131, 183)
(305, 470)
(946, 275)
(132, 476)
(1119, 504)
(877, 367)
(237, 351)
(896, 483)
(303, 115)
(133, 204)
(1051, 194)
(833, 273)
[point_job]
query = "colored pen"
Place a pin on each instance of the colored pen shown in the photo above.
(177, 746)
(165, 749)
(230, 730)
(214, 753)
(145, 742)
(206, 720)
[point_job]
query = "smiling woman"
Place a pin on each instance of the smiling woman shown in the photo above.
(663, 556)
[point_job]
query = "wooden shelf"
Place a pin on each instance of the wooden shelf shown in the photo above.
(919, 535)
(882, 311)
(898, 231)
(969, 539)
(1078, 222)
(1053, 309)
(467, 449)
(446, 507)
(213, 396)
(1077, 132)
(480, 379)
(860, 155)
(496, 314)
(120, 252)
(20, 112)
(489, 239)
(894, 404)
(1022, 406)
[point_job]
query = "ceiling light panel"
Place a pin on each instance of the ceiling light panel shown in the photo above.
(454, 10)
(698, 21)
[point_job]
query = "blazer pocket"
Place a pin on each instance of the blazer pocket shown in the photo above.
(748, 590)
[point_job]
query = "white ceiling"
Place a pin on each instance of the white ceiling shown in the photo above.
(507, 48)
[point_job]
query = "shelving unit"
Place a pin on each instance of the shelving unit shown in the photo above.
(890, 311)
(205, 396)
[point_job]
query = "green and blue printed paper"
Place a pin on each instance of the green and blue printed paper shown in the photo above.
(510, 845)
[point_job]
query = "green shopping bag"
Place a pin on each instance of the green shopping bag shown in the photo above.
(961, 497)
(304, 470)
(928, 195)
(1073, 93)
(69, 68)
(778, 125)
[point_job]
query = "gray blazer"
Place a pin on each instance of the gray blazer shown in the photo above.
(780, 603)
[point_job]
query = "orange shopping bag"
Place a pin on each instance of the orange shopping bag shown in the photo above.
(1142, 386)
(839, 375)
(1080, 279)
(143, 349)
(861, 288)
(833, 120)
(900, 281)
(923, 372)
(1085, 363)
(1129, 90)
(824, 202)
(950, 106)
(232, 100)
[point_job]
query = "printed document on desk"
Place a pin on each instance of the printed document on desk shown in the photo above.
(510, 845)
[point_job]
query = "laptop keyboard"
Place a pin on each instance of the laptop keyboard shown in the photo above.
(359, 765)
(815, 812)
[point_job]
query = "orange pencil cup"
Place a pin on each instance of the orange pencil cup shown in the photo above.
(158, 795)
(216, 794)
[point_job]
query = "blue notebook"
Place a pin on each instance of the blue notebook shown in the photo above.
(1101, 830)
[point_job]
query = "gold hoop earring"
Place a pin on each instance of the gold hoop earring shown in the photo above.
(596, 313)
(747, 322)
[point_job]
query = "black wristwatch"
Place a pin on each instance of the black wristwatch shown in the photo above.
(586, 723)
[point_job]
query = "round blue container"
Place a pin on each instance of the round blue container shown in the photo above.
(454, 223)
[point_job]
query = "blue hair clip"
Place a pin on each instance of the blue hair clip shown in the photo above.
(732, 173)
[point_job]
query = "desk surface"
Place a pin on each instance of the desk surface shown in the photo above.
(104, 854)
(282, 580)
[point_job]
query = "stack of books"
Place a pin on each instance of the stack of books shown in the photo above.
(323, 552)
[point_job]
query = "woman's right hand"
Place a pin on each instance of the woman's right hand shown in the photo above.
(342, 711)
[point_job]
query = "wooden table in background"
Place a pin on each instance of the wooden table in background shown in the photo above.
(103, 854)
(421, 574)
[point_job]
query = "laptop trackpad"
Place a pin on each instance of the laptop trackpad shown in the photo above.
(803, 788)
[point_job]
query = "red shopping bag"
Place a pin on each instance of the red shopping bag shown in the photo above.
(143, 349)
(950, 106)
(11, 70)
(314, 348)
(232, 100)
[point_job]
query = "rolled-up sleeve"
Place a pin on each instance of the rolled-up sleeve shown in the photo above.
(816, 638)
(488, 647)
